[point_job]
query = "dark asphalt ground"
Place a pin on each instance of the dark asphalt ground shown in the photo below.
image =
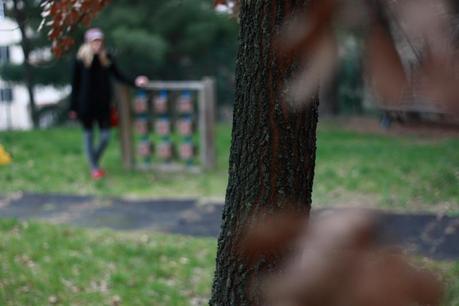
(425, 234)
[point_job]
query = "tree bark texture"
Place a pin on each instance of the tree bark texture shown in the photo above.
(272, 152)
(21, 19)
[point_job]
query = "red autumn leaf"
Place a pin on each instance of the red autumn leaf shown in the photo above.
(65, 16)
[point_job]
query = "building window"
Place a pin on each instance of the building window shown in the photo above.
(6, 95)
(4, 54)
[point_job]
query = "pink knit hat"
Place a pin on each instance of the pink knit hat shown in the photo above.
(93, 34)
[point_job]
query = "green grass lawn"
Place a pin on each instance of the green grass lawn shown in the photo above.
(391, 172)
(46, 264)
(352, 168)
(53, 161)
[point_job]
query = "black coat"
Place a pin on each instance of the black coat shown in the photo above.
(92, 88)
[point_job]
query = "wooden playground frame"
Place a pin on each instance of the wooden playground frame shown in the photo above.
(206, 118)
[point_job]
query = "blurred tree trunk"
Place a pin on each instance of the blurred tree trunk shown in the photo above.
(19, 12)
(272, 152)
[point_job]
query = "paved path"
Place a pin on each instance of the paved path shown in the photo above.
(429, 235)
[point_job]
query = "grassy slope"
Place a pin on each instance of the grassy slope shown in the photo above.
(42, 263)
(52, 161)
(395, 172)
(351, 168)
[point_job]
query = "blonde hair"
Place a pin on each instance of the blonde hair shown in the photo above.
(86, 55)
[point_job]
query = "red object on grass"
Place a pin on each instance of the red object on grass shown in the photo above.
(97, 174)
(114, 117)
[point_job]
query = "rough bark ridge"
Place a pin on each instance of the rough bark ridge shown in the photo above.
(272, 153)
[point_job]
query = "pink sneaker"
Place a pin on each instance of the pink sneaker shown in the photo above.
(97, 174)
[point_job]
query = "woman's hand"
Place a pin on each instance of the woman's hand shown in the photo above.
(141, 81)
(73, 115)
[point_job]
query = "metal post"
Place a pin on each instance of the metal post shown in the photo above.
(207, 121)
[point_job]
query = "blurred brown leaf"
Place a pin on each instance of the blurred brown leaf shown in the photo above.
(317, 69)
(270, 234)
(303, 32)
(384, 67)
(438, 79)
(337, 261)
(423, 26)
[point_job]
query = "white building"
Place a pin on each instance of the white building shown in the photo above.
(14, 99)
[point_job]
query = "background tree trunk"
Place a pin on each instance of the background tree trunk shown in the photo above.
(272, 153)
(329, 98)
(21, 18)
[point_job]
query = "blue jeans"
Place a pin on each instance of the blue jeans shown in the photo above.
(94, 153)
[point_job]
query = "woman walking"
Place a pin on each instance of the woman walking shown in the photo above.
(91, 95)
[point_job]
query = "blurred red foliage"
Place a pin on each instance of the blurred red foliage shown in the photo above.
(336, 259)
(63, 16)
